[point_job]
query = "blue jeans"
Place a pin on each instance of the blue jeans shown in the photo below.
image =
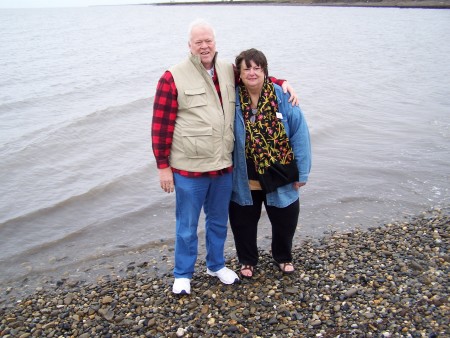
(213, 194)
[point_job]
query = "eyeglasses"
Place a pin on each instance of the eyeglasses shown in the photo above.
(255, 69)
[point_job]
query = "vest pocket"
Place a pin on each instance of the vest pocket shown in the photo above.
(195, 97)
(229, 139)
(198, 142)
(231, 94)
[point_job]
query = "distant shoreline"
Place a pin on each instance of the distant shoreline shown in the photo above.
(425, 4)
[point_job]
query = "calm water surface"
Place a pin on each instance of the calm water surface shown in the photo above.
(78, 183)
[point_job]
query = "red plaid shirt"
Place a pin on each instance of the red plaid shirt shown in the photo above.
(165, 108)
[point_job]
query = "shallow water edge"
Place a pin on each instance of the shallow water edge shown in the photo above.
(156, 259)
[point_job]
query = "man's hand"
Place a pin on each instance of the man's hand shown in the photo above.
(288, 88)
(166, 179)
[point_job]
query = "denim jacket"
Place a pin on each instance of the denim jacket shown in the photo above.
(297, 130)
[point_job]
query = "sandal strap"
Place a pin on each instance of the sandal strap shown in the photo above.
(284, 265)
(247, 267)
(246, 271)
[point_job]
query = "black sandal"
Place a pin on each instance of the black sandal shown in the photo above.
(246, 267)
(282, 267)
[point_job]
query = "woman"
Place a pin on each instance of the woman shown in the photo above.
(272, 160)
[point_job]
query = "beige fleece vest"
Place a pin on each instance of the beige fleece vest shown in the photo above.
(203, 138)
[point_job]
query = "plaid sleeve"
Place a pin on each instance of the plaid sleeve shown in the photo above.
(165, 107)
(276, 81)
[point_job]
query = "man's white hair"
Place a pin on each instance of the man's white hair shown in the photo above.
(200, 23)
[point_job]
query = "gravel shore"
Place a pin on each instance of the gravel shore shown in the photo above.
(389, 281)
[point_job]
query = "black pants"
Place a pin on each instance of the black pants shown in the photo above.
(244, 224)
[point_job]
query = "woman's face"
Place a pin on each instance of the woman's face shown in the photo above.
(253, 76)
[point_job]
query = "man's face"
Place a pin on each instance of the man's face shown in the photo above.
(202, 43)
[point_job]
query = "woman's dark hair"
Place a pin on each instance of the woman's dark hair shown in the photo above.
(254, 55)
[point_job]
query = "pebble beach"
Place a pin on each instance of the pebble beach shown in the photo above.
(388, 281)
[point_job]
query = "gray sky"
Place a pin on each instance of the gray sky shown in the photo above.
(69, 3)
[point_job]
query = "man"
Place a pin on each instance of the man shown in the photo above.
(192, 139)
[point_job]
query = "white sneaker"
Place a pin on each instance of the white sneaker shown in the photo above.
(225, 275)
(181, 286)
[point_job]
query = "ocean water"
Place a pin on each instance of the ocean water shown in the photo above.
(78, 182)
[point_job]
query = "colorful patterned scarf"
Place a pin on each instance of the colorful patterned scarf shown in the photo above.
(266, 141)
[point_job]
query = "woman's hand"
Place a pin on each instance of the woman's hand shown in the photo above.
(297, 185)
